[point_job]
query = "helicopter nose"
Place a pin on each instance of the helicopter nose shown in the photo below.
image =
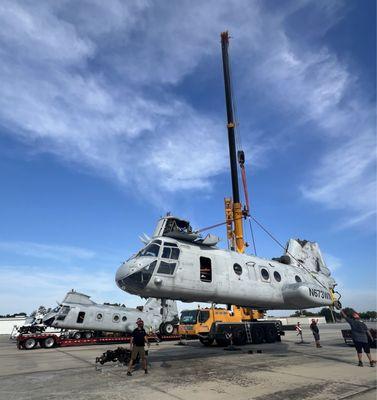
(49, 321)
(121, 273)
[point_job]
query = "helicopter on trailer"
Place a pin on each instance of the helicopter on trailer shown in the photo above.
(78, 311)
(178, 263)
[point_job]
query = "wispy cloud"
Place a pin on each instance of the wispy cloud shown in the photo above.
(52, 252)
(95, 87)
(25, 287)
(345, 178)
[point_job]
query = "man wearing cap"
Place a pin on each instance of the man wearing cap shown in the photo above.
(359, 333)
(137, 343)
(315, 331)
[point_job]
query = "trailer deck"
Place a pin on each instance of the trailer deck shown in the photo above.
(46, 340)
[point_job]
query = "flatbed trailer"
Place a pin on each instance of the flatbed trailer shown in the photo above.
(47, 341)
(241, 333)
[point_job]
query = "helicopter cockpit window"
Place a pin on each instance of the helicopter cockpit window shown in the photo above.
(170, 252)
(205, 269)
(166, 268)
(65, 310)
(151, 250)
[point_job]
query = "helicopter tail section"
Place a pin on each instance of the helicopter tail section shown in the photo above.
(308, 254)
(166, 308)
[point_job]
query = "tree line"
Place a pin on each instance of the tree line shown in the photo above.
(328, 314)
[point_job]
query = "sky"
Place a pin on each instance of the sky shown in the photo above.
(113, 113)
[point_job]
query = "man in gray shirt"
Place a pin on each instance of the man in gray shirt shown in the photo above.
(360, 333)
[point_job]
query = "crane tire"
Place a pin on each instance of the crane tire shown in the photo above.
(257, 335)
(270, 334)
(239, 337)
(222, 342)
(206, 341)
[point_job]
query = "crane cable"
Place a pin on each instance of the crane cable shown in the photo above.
(273, 238)
(286, 250)
(252, 237)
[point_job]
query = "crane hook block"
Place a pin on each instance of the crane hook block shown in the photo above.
(241, 157)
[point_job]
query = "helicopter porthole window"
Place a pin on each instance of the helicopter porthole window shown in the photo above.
(237, 269)
(99, 316)
(116, 318)
(265, 274)
(277, 276)
(298, 279)
(124, 318)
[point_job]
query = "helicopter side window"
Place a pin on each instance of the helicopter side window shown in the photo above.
(205, 269)
(80, 317)
(166, 268)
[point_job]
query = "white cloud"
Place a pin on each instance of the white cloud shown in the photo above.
(24, 288)
(345, 179)
(52, 252)
(95, 84)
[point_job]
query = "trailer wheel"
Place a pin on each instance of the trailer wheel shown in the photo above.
(257, 335)
(206, 341)
(48, 342)
(30, 343)
(167, 328)
(77, 335)
(271, 334)
(88, 335)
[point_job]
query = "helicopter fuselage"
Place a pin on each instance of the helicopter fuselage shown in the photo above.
(179, 270)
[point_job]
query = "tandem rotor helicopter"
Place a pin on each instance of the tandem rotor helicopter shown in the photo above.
(178, 263)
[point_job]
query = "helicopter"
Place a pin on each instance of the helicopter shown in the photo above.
(178, 263)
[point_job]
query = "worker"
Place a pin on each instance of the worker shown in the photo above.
(137, 343)
(315, 331)
(299, 331)
(360, 333)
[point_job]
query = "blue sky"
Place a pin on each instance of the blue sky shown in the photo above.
(112, 113)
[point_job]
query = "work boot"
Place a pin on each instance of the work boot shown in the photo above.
(360, 364)
(145, 371)
(372, 363)
(129, 373)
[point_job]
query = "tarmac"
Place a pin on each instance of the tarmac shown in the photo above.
(285, 370)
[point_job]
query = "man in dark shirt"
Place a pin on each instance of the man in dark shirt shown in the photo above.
(315, 331)
(359, 333)
(137, 343)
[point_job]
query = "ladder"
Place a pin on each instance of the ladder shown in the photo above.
(248, 333)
